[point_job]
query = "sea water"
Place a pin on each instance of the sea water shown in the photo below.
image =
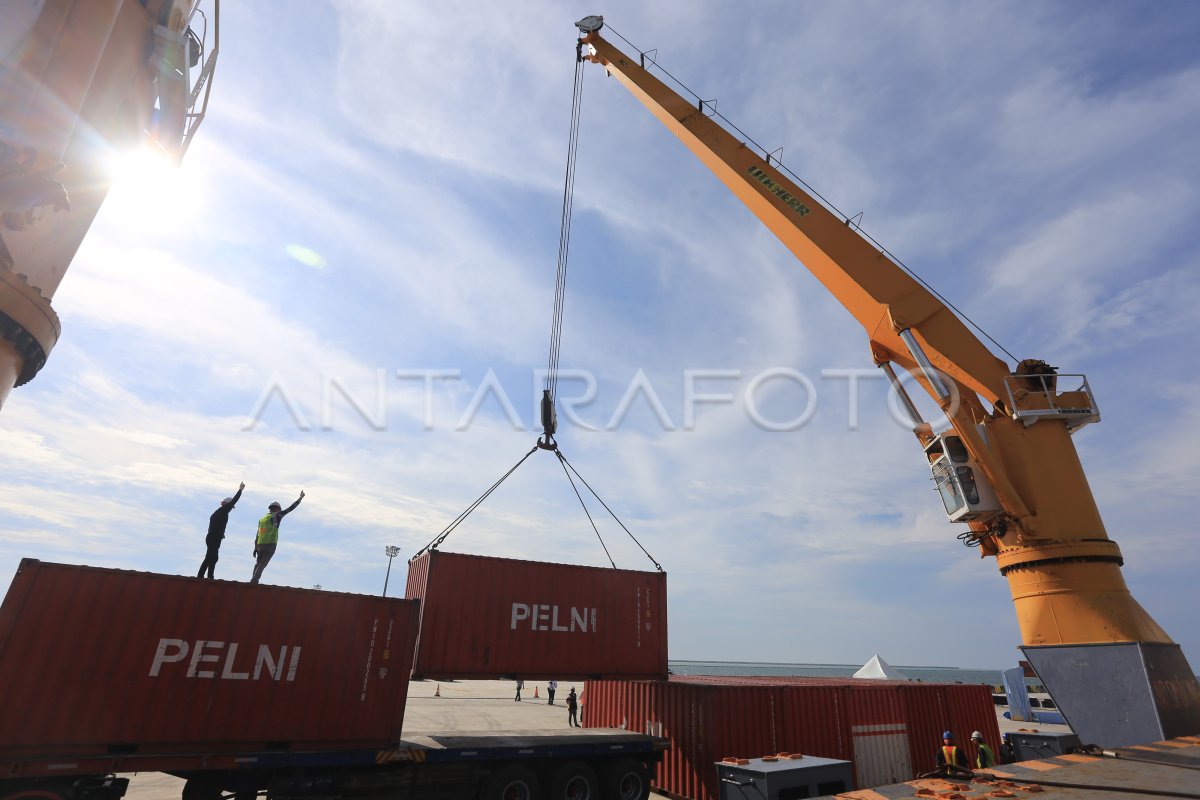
(989, 677)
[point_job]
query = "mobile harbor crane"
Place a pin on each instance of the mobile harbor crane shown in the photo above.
(1006, 466)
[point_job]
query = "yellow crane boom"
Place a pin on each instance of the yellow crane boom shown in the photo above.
(1007, 466)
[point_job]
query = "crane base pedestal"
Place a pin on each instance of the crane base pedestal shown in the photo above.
(1121, 694)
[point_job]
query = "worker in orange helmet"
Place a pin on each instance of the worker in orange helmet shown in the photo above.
(949, 754)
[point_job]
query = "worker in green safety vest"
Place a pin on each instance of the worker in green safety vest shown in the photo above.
(984, 757)
(268, 535)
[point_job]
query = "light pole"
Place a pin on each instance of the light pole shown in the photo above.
(391, 551)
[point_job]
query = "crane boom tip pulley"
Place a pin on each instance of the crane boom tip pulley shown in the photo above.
(590, 23)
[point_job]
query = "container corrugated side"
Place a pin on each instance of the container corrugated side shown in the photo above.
(484, 617)
(926, 716)
(972, 709)
(959, 708)
(102, 660)
(880, 726)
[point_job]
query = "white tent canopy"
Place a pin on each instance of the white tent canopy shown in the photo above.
(879, 669)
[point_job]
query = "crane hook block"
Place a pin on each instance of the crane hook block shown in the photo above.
(549, 416)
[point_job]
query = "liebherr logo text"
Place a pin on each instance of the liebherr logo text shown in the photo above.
(270, 663)
(783, 194)
(546, 617)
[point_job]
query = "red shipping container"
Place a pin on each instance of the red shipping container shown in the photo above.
(104, 660)
(889, 730)
(485, 617)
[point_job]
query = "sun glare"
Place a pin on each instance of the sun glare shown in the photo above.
(149, 190)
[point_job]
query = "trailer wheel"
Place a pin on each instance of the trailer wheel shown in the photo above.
(514, 782)
(574, 780)
(627, 779)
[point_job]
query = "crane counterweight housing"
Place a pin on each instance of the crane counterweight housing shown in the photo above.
(1007, 465)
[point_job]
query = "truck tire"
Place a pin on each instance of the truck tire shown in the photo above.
(38, 793)
(574, 780)
(514, 782)
(627, 779)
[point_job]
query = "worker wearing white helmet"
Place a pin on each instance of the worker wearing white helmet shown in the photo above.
(984, 757)
(268, 535)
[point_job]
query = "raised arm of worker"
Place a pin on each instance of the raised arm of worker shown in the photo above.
(281, 514)
(238, 496)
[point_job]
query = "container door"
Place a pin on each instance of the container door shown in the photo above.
(879, 736)
(881, 754)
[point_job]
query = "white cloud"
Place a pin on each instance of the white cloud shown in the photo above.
(425, 168)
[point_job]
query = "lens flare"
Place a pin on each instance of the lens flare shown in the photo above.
(305, 255)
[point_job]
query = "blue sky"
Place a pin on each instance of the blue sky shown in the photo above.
(1037, 163)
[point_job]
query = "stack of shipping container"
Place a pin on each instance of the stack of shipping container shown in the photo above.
(140, 661)
(484, 617)
(890, 730)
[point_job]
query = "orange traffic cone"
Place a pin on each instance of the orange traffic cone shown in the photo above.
(535, 694)
(438, 691)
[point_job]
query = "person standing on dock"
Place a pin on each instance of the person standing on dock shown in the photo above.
(984, 757)
(268, 535)
(520, 686)
(550, 687)
(949, 754)
(572, 709)
(216, 532)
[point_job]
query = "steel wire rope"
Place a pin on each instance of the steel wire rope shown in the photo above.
(564, 235)
(606, 508)
(585, 509)
(560, 287)
(1124, 755)
(701, 103)
(441, 537)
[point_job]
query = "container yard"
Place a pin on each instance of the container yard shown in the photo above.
(488, 705)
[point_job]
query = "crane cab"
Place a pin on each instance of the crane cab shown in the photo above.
(965, 491)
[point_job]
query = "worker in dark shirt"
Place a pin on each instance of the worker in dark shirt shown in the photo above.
(572, 709)
(949, 754)
(216, 532)
(1008, 752)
